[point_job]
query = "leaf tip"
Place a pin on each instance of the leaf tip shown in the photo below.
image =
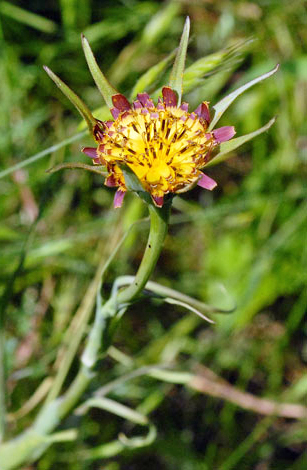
(84, 40)
(276, 68)
(47, 70)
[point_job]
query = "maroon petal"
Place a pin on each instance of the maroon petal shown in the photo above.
(118, 198)
(203, 111)
(224, 133)
(206, 182)
(90, 151)
(145, 100)
(169, 96)
(108, 124)
(158, 201)
(98, 131)
(110, 181)
(120, 102)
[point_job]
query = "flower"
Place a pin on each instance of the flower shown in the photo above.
(164, 145)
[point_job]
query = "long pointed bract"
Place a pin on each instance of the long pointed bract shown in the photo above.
(227, 147)
(176, 77)
(102, 83)
(222, 105)
(74, 98)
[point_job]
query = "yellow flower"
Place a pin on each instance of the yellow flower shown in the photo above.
(164, 145)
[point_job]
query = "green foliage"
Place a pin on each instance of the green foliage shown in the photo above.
(58, 230)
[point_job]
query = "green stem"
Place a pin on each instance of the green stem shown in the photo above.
(33, 442)
(158, 230)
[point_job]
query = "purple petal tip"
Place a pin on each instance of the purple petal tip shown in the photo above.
(90, 151)
(118, 198)
(223, 134)
(206, 182)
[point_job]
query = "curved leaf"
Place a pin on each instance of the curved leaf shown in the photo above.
(170, 300)
(222, 105)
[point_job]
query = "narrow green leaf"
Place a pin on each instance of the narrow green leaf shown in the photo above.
(167, 292)
(227, 147)
(105, 451)
(76, 101)
(140, 441)
(116, 408)
(222, 105)
(176, 77)
(102, 83)
(77, 166)
(172, 301)
(62, 436)
(171, 376)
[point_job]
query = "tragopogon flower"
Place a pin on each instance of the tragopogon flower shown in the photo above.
(157, 148)
(165, 146)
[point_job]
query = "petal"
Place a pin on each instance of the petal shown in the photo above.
(98, 131)
(222, 134)
(118, 198)
(184, 107)
(90, 151)
(169, 96)
(120, 102)
(160, 105)
(145, 100)
(110, 181)
(158, 200)
(206, 182)
(137, 105)
(115, 112)
(203, 111)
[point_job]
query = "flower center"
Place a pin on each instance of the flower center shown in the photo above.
(164, 147)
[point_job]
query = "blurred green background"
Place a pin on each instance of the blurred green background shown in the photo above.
(249, 234)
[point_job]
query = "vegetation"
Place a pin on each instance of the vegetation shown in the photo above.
(206, 396)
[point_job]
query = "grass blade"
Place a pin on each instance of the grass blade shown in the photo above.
(28, 18)
(149, 77)
(43, 153)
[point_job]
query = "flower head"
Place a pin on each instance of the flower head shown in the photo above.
(157, 148)
(164, 145)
